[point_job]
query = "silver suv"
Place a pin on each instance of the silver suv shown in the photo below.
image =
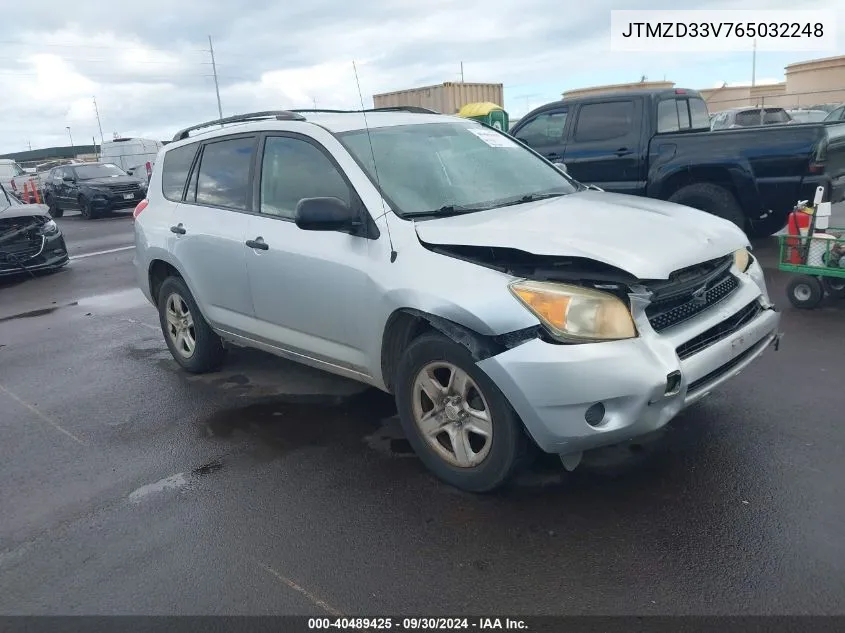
(440, 260)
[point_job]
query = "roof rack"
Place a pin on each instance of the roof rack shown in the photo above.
(279, 115)
(414, 109)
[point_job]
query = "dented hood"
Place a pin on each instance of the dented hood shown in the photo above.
(647, 238)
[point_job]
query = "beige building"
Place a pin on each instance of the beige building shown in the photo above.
(446, 98)
(817, 81)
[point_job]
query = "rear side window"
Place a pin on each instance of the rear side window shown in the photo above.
(605, 121)
(224, 173)
(775, 115)
(546, 129)
(293, 169)
(749, 118)
(174, 173)
(681, 114)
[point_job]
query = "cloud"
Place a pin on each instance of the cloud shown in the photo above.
(152, 75)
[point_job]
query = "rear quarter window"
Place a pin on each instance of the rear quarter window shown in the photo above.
(174, 173)
(604, 121)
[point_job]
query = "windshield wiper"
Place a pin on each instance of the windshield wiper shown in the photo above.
(445, 211)
(531, 197)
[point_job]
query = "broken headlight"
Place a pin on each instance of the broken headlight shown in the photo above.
(576, 314)
(49, 228)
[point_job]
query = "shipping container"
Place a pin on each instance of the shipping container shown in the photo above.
(445, 98)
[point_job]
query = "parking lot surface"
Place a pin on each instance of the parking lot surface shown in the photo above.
(130, 487)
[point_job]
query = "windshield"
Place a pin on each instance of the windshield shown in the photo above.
(87, 172)
(447, 168)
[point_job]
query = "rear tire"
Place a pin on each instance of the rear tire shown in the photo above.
(55, 211)
(711, 198)
(191, 341)
(834, 286)
(805, 292)
(480, 451)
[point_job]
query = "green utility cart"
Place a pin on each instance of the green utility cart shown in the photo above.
(486, 112)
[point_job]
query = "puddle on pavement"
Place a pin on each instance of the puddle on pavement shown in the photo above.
(298, 421)
(36, 313)
(115, 301)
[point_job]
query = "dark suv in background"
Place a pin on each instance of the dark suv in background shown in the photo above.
(92, 188)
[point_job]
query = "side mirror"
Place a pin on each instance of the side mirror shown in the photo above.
(326, 214)
(562, 167)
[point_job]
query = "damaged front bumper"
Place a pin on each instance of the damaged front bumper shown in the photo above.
(573, 398)
(52, 253)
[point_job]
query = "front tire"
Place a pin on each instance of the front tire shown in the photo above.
(191, 341)
(456, 419)
(805, 292)
(711, 198)
(86, 209)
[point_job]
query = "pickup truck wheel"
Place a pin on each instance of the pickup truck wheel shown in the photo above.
(712, 199)
(456, 419)
(55, 211)
(191, 341)
(805, 292)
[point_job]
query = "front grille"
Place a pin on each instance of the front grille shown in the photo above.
(19, 251)
(689, 292)
(720, 331)
(124, 189)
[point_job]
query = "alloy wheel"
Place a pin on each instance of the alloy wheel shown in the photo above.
(180, 325)
(452, 414)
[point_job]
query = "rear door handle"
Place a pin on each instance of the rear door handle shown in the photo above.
(258, 243)
(553, 156)
(178, 229)
(623, 151)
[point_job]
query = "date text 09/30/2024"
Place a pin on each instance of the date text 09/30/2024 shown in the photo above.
(417, 624)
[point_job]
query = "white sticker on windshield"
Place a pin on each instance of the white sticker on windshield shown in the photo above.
(493, 139)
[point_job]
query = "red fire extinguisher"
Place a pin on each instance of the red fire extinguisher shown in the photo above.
(798, 225)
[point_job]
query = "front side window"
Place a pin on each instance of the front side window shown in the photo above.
(453, 167)
(18, 170)
(604, 121)
(174, 173)
(224, 173)
(546, 129)
(293, 169)
(104, 170)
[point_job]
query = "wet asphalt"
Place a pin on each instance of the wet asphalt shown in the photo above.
(129, 487)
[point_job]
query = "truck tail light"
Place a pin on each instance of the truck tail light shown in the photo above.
(140, 207)
(149, 170)
(14, 186)
(816, 167)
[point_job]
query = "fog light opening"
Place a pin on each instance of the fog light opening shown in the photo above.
(594, 415)
(673, 383)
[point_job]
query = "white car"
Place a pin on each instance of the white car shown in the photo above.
(442, 261)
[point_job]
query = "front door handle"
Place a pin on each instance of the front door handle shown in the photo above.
(178, 229)
(553, 156)
(258, 243)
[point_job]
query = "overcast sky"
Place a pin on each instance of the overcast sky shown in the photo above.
(148, 64)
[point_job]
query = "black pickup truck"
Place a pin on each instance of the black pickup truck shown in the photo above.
(658, 143)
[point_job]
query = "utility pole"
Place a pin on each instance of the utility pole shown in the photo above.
(462, 72)
(100, 125)
(214, 70)
(72, 148)
(754, 64)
